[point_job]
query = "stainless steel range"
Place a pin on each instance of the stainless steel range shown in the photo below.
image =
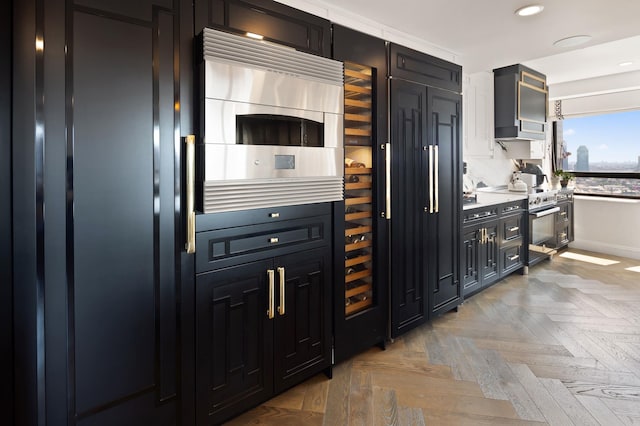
(542, 209)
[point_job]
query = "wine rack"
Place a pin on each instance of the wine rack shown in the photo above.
(358, 187)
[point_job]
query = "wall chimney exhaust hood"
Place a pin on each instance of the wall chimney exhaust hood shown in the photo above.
(520, 104)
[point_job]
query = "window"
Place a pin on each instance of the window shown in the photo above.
(603, 151)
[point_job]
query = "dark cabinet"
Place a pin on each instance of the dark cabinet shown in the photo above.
(425, 199)
(564, 219)
(263, 312)
(520, 103)
(492, 244)
(480, 249)
(361, 286)
(109, 250)
(268, 19)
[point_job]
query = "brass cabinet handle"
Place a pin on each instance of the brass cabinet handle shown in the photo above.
(274, 240)
(514, 228)
(436, 177)
(190, 152)
(430, 179)
(563, 213)
(282, 280)
(272, 301)
(387, 165)
(514, 257)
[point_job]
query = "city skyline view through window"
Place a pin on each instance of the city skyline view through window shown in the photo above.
(606, 143)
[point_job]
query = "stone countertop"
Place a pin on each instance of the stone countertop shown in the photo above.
(487, 198)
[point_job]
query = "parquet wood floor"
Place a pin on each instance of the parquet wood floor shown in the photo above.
(560, 346)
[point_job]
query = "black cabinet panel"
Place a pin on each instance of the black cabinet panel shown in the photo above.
(470, 258)
(444, 135)
(113, 201)
(131, 9)
(233, 341)
(224, 247)
(408, 227)
(422, 68)
(520, 107)
(6, 256)
(302, 337)
(274, 21)
(492, 244)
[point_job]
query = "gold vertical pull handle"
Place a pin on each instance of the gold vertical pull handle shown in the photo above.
(282, 280)
(387, 165)
(272, 297)
(190, 153)
(430, 179)
(436, 177)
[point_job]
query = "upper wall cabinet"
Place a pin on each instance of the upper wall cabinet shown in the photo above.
(273, 21)
(521, 99)
(415, 66)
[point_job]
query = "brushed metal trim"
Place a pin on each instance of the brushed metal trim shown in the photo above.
(281, 310)
(221, 196)
(271, 56)
(271, 296)
(190, 157)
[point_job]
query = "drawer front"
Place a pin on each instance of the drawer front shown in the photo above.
(512, 227)
(475, 215)
(511, 259)
(231, 246)
(513, 207)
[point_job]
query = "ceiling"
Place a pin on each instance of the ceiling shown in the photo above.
(487, 34)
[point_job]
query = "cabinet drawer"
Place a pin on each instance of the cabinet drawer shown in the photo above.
(511, 258)
(562, 237)
(225, 247)
(512, 208)
(512, 227)
(471, 216)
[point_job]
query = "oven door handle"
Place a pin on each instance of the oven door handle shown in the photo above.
(545, 212)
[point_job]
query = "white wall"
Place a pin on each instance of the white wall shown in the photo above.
(607, 225)
(487, 161)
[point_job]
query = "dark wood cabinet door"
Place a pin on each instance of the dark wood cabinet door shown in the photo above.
(444, 224)
(234, 338)
(489, 254)
(470, 260)
(274, 21)
(302, 336)
(409, 192)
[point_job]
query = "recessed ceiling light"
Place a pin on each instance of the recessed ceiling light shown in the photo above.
(572, 41)
(625, 64)
(533, 9)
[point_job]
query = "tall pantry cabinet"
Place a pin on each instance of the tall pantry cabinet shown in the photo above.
(426, 167)
(360, 293)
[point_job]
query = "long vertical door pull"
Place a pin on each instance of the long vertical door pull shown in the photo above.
(282, 281)
(431, 179)
(436, 175)
(387, 165)
(272, 301)
(190, 153)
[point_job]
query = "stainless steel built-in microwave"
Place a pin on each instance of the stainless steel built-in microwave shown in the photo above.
(272, 125)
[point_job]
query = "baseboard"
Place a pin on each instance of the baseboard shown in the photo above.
(604, 248)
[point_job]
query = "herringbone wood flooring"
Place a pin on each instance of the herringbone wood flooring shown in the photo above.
(560, 346)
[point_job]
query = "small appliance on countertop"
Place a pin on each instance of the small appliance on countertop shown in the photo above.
(517, 184)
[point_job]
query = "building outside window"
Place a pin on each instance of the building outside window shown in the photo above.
(603, 151)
